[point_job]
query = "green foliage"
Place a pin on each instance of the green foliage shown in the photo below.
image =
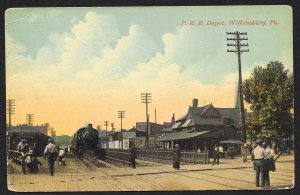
(62, 140)
(270, 92)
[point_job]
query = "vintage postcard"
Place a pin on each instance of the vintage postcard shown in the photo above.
(149, 98)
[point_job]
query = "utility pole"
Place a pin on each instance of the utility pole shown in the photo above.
(237, 44)
(121, 115)
(155, 122)
(10, 109)
(146, 99)
(112, 126)
(106, 123)
(29, 119)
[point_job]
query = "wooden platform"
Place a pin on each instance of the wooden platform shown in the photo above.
(231, 174)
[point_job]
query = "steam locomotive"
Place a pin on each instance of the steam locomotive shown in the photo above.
(85, 141)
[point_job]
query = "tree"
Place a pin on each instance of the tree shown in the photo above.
(270, 93)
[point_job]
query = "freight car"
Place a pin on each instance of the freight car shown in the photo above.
(84, 142)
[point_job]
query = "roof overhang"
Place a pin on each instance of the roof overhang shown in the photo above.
(181, 135)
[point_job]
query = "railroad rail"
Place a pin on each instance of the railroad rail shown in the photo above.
(118, 155)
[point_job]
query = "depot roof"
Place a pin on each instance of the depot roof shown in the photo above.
(180, 135)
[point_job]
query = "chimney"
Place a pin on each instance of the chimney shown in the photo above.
(195, 103)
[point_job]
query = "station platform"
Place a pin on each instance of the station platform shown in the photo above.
(230, 174)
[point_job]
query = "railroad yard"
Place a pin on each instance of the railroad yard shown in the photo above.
(78, 175)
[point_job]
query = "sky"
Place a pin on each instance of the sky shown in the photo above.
(73, 66)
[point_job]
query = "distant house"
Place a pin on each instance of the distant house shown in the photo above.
(201, 127)
(104, 137)
(131, 136)
(153, 128)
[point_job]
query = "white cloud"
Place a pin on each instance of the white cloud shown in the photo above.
(93, 66)
(15, 59)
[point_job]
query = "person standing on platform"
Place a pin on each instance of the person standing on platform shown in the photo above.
(176, 158)
(23, 148)
(269, 163)
(216, 154)
(259, 163)
(61, 157)
(35, 159)
(51, 153)
(132, 156)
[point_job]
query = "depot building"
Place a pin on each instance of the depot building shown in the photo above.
(202, 127)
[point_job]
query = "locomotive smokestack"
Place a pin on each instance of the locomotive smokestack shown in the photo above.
(90, 125)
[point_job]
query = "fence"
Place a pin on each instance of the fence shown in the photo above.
(165, 156)
(162, 156)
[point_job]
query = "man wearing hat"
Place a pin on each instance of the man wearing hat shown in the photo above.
(259, 155)
(132, 155)
(23, 148)
(269, 163)
(176, 159)
(51, 153)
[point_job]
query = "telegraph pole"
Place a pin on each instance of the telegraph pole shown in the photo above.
(121, 115)
(146, 99)
(106, 123)
(112, 126)
(10, 109)
(237, 43)
(155, 122)
(29, 119)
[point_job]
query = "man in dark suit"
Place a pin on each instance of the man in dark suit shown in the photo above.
(132, 156)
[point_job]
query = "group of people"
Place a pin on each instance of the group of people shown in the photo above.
(263, 158)
(29, 156)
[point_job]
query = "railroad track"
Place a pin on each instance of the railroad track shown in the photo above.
(91, 162)
(112, 162)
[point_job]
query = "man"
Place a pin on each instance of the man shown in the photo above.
(29, 161)
(35, 149)
(132, 156)
(245, 152)
(61, 157)
(216, 154)
(35, 159)
(23, 148)
(259, 155)
(269, 163)
(51, 153)
(176, 158)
